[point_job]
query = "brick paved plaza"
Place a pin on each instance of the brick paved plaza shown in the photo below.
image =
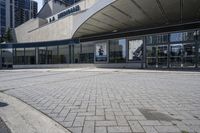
(110, 101)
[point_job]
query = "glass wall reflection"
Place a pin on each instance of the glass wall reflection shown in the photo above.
(87, 53)
(52, 55)
(19, 56)
(30, 56)
(64, 54)
(42, 55)
(117, 51)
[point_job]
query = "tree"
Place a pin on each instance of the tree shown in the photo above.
(8, 35)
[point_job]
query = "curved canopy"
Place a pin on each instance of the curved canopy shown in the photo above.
(108, 16)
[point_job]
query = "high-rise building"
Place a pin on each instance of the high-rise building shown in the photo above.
(2, 16)
(70, 2)
(34, 8)
(15, 12)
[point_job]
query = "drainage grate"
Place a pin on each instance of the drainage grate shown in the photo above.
(3, 104)
(150, 114)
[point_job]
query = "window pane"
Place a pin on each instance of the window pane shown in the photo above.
(87, 53)
(162, 55)
(189, 54)
(154, 39)
(30, 56)
(182, 36)
(52, 55)
(151, 51)
(77, 53)
(6, 57)
(176, 55)
(135, 50)
(42, 55)
(19, 56)
(117, 51)
(64, 54)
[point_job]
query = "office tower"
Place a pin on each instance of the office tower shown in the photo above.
(15, 12)
(34, 9)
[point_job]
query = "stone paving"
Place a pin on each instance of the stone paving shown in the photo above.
(111, 101)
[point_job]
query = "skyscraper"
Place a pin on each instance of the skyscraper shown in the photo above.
(2, 16)
(34, 9)
(15, 12)
(70, 2)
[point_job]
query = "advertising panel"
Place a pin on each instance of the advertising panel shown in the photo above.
(135, 50)
(101, 52)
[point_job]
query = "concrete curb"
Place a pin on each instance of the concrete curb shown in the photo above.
(21, 118)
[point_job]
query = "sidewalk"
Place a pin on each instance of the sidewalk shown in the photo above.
(21, 118)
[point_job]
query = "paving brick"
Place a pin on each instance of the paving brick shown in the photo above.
(136, 127)
(100, 130)
(168, 129)
(119, 129)
(88, 127)
(106, 123)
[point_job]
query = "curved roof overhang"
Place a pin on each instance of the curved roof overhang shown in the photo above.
(108, 16)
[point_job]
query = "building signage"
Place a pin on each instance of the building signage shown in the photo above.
(101, 53)
(69, 11)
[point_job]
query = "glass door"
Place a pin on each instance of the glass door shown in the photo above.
(176, 53)
(162, 51)
(189, 52)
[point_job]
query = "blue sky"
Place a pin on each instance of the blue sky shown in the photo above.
(39, 4)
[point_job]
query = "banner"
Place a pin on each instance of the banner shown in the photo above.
(101, 52)
(135, 50)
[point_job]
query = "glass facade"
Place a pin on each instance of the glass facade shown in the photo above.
(64, 56)
(117, 51)
(52, 55)
(168, 50)
(2, 17)
(87, 53)
(30, 56)
(19, 56)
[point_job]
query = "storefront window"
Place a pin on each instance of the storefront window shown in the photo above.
(77, 51)
(135, 50)
(189, 55)
(176, 55)
(6, 58)
(117, 51)
(42, 54)
(151, 55)
(30, 57)
(154, 39)
(19, 56)
(87, 53)
(64, 54)
(162, 55)
(182, 36)
(52, 55)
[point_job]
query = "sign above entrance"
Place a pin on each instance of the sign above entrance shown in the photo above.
(69, 11)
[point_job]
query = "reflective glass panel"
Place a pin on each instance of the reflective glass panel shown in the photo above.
(64, 54)
(87, 53)
(77, 50)
(42, 55)
(19, 56)
(176, 55)
(162, 55)
(6, 57)
(151, 52)
(30, 57)
(52, 55)
(189, 55)
(117, 51)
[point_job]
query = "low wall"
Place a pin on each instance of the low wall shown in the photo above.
(119, 65)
